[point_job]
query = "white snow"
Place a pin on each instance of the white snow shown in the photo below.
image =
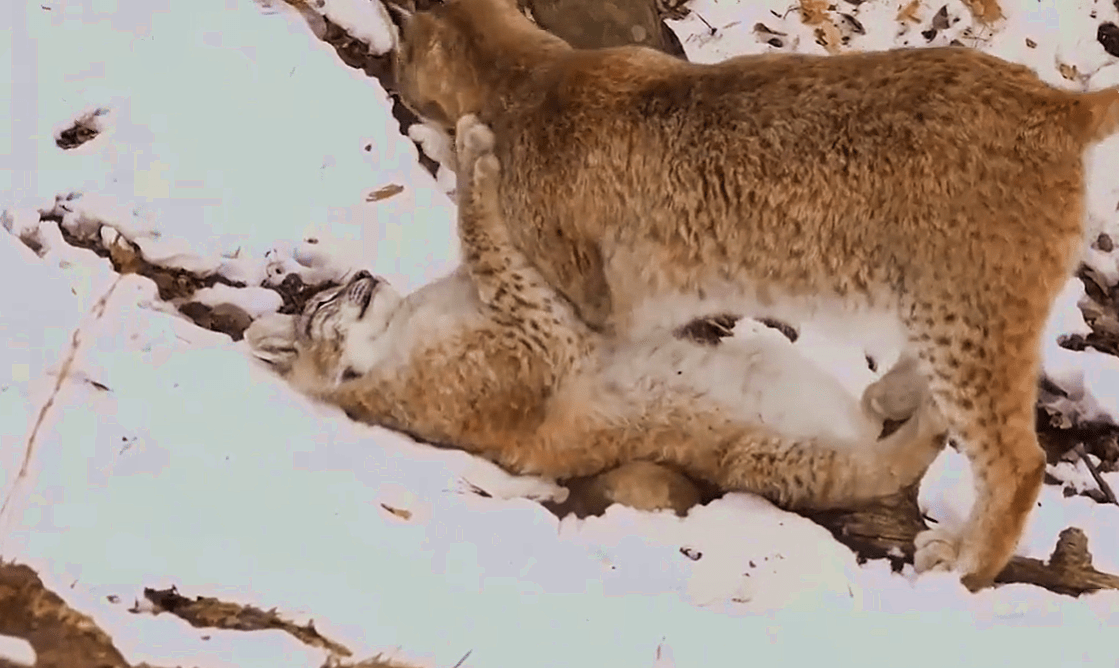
(255, 301)
(268, 138)
(234, 141)
(17, 650)
(366, 20)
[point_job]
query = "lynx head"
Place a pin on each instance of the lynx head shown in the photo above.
(429, 66)
(326, 343)
(446, 51)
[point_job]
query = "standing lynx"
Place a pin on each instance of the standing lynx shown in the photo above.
(492, 360)
(938, 190)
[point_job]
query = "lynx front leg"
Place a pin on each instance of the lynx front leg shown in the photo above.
(473, 139)
(496, 266)
(532, 312)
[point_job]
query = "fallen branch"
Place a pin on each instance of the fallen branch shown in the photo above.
(207, 612)
(1100, 482)
(885, 530)
(63, 637)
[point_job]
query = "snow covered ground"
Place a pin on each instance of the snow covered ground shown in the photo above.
(166, 456)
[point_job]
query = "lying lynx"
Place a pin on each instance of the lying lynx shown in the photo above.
(492, 360)
(938, 190)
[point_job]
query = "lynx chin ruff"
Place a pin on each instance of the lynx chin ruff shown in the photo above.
(940, 190)
(492, 360)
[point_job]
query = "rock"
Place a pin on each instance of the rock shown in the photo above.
(83, 130)
(199, 313)
(230, 319)
(1108, 36)
(588, 25)
(1104, 243)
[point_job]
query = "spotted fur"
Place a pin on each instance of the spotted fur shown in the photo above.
(492, 360)
(940, 190)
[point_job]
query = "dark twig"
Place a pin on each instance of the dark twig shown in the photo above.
(1104, 487)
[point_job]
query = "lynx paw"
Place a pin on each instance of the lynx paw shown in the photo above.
(896, 395)
(472, 139)
(272, 338)
(936, 550)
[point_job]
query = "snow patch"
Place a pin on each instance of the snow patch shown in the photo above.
(252, 300)
(17, 650)
(367, 20)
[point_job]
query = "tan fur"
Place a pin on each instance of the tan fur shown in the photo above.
(640, 485)
(492, 360)
(942, 186)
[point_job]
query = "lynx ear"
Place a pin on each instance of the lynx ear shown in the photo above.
(400, 11)
(271, 338)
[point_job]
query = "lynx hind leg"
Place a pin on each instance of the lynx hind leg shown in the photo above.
(641, 485)
(902, 458)
(821, 474)
(986, 385)
(648, 486)
(898, 393)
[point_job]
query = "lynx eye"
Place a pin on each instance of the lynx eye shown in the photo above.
(313, 307)
(349, 374)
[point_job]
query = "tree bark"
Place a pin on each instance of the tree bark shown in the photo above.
(885, 530)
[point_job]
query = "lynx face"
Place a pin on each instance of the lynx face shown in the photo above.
(423, 71)
(334, 338)
(328, 316)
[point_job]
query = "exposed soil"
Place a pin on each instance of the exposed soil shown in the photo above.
(178, 285)
(84, 129)
(61, 636)
(65, 638)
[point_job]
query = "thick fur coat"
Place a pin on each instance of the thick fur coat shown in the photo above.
(938, 190)
(493, 360)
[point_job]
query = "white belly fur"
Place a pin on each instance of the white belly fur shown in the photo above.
(757, 378)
